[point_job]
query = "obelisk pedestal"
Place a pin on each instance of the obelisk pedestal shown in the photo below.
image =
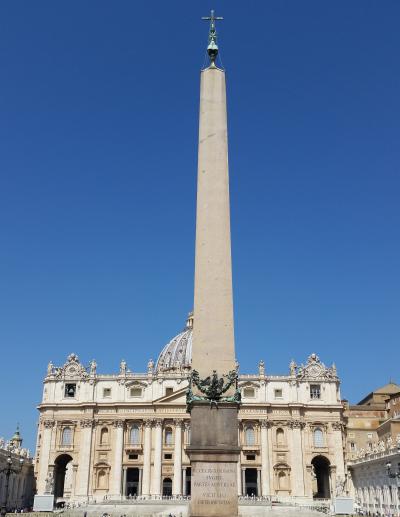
(213, 450)
(213, 457)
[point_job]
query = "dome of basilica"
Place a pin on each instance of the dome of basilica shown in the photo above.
(177, 354)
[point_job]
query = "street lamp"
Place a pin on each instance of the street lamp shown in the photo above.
(392, 474)
(8, 470)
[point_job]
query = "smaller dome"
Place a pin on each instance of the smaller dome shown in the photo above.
(177, 354)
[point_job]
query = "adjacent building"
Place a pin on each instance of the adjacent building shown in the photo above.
(17, 491)
(373, 451)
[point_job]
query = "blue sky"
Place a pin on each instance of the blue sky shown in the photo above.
(98, 149)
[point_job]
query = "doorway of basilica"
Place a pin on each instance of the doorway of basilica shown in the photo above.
(63, 476)
(322, 473)
(167, 487)
(132, 482)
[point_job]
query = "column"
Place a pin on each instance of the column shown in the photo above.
(184, 481)
(239, 479)
(45, 445)
(258, 482)
(177, 481)
(337, 444)
(85, 452)
(265, 489)
(156, 481)
(139, 490)
(297, 458)
(117, 467)
(146, 458)
(125, 471)
(243, 481)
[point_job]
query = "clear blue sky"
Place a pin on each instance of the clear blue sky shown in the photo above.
(98, 145)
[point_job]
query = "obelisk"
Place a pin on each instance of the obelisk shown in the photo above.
(214, 421)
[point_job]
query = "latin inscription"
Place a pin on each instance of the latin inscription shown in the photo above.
(214, 485)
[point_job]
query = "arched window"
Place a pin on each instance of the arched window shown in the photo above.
(66, 437)
(250, 436)
(104, 436)
(102, 479)
(318, 437)
(134, 436)
(168, 436)
(280, 436)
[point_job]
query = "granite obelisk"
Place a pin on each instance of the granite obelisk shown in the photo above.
(212, 396)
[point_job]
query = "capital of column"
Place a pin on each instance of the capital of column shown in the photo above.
(118, 424)
(158, 422)
(187, 425)
(48, 424)
(265, 424)
(178, 422)
(296, 424)
(87, 423)
(148, 422)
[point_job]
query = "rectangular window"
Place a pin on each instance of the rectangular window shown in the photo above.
(250, 457)
(369, 436)
(248, 392)
(278, 393)
(352, 446)
(168, 456)
(136, 392)
(133, 456)
(107, 392)
(315, 391)
(169, 391)
(70, 390)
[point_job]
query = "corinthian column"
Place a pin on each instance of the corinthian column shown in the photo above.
(156, 481)
(298, 458)
(177, 482)
(117, 467)
(146, 458)
(264, 458)
(85, 448)
(45, 445)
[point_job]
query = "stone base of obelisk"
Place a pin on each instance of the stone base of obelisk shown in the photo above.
(214, 454)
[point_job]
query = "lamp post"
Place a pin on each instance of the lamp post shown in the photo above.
(8, 470)
(393, 475)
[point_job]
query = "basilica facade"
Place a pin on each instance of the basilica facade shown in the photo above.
(125, 435)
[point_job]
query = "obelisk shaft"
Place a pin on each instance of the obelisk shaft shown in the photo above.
(213, 332)
(213, 450)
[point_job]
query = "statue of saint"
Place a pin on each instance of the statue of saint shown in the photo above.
(93, 367)
(122, 367)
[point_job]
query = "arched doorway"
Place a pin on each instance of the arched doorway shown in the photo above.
(321, 489)
(167, 487)
(62, 476)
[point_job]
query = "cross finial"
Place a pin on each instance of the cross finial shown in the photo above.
(212, 48)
